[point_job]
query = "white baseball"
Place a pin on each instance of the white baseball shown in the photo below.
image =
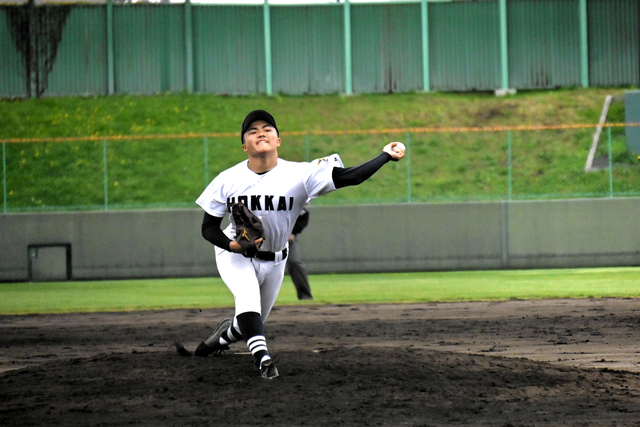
(399, 147)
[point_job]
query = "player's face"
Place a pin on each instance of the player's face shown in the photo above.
(260, 138)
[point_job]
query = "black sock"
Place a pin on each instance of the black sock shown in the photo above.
(231, 335)
(252, 330)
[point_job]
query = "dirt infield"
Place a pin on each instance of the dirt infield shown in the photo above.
(515, 363)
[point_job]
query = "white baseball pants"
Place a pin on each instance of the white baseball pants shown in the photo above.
(254, 284)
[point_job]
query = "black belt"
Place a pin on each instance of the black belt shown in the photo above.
(270, 256)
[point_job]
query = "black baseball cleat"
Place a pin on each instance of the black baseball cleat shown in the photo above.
(181, 350)
(216, 348)
(268, 370)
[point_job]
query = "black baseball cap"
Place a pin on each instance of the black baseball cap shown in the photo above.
(256, 115)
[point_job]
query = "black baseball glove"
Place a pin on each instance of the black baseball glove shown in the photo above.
(248, 229)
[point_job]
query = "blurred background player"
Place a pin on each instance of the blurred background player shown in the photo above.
(295, 265)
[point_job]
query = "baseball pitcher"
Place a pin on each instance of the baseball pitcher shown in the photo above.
(263, 197)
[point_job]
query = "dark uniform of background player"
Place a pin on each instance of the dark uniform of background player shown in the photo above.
(295, 266)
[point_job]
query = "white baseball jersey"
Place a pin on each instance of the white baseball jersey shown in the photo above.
(277, 197)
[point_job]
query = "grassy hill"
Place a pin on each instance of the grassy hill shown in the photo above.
(442, 166)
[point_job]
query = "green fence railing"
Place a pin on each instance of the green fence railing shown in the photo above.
(56, 48)
(442, 165)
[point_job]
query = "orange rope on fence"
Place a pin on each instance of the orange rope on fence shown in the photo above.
(117, 137)
(320, 132)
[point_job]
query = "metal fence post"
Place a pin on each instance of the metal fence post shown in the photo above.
(610, 164)
(106, 175)
(425, 46)
(111, 85)
(504, 50)
(4, 177)
(584, 44)
(510, 165)
(188, 44)
(206, 161)
(267, 48)
(408, 167)
(307, 149)
(347, 49)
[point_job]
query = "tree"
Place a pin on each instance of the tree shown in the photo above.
(37, 32)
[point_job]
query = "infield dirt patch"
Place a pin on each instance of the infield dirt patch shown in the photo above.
(514, 363)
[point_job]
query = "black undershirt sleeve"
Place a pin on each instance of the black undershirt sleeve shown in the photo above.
(212, 232)
(344, 177)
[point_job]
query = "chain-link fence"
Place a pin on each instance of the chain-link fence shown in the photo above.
(441, 165)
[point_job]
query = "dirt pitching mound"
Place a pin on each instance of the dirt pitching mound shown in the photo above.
(542, 363)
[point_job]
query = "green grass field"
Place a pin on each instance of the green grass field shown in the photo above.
(441, 166)
(130, 295)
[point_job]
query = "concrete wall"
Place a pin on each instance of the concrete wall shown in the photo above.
(408, 237)
(576, 233)
(110, 245)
